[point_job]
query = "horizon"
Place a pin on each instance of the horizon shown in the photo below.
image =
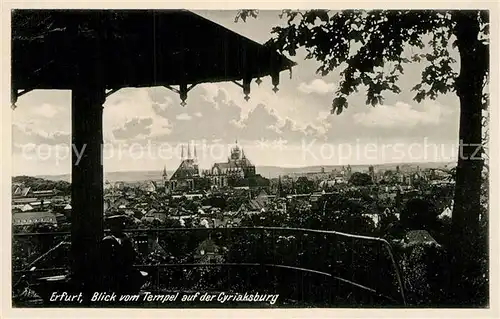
(261, 166)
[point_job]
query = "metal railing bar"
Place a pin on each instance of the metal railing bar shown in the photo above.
(175, 229)
(234, 264)
(40, 234)
(398, 272)
(24, 271)
(46, 254)
(303, 230)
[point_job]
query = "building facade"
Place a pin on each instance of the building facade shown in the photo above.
(186, 176)
(237, 167)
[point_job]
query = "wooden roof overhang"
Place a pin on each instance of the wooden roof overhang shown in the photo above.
(58, 49)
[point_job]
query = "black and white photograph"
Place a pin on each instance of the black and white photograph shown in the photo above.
(311, 158)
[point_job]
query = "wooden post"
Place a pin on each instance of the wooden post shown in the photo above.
(87, 186)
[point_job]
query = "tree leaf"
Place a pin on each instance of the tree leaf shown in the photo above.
(338, 104)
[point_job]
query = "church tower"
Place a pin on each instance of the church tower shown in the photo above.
(164, 175)
(235, 152)
(280, 192)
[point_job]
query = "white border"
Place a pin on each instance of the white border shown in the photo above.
(5, 160)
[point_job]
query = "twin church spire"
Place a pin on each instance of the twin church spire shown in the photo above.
(188, 152)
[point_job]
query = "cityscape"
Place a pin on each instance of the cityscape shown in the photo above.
(371, 201)
(250, 159)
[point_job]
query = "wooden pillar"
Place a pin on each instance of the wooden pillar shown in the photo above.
(87, 185)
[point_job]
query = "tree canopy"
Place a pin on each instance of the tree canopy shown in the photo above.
(360, 179)
(370, 47)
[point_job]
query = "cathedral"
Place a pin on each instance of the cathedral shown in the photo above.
(187, 177)
(237, 167)
(187, 174)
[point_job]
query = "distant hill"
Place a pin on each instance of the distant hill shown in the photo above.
(265, 171)
(274, 171)
(40, 184)
(129, 176)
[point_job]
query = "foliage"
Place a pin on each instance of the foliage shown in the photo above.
(344, 257)
(418, 214)
(370, 46)
(40, 184)
(304, 185)
(216, 201)
(28, 249)
(249, 181)
(360, 179)
(235, 202)
(203, 183)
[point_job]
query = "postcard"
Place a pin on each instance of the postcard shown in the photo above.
(250, 159)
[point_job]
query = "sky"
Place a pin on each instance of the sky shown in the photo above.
(145, 128)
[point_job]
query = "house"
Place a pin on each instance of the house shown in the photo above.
(154, 214)
(326, 184)
(258, 204)
(61, 218)
(420, 237)
(108, 185)
(40, 204)
(151, 187)
(447, 212)
(33, 217)
(374, 217)
(250, 207)
(24, 200)
(119, 185)
(206, 208)
(207, 252)
(242, 187)
(26, 207)
(233, 222)
(20, 191)
(193, 196)
(121, 202)
(44, 193)
(205, 222)
(316, 196)
(58, 199)
(154, 246)
(18, 206)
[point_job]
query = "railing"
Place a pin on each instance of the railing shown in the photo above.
(289, 260)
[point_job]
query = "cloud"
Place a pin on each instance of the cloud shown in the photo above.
(23, 135)
(183, 117)
(133, 129)
(46, 110)
(292, 133)
(134, 113)
(403, 115)
(218, 111)
(209, 114)
(317, 86)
